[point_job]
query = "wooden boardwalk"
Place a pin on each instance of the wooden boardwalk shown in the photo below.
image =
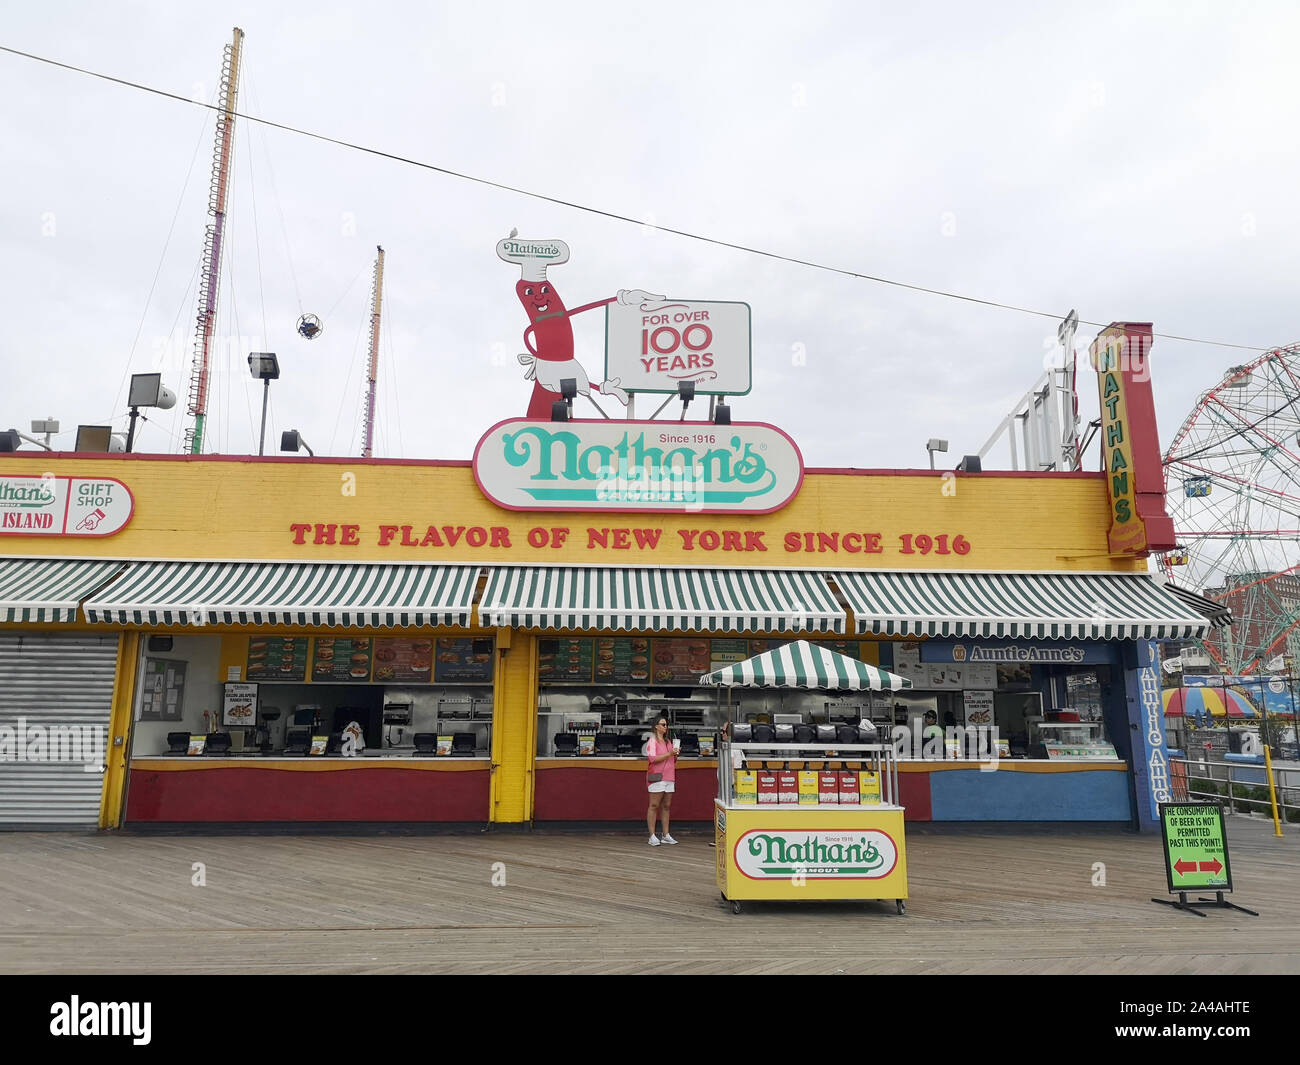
(607, 903)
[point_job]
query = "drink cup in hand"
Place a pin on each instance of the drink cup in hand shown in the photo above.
(677, 746)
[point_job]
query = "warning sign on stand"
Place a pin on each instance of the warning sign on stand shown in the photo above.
(1196, 847)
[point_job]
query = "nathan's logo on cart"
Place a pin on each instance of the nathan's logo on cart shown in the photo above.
(842, 855)
(638, 466)
(46, 505)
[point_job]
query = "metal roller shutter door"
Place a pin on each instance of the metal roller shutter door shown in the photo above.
(55, 679)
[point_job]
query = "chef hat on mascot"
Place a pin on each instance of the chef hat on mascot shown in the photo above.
(532, 256)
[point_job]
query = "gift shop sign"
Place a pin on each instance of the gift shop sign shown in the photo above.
(748, 468)
(63, 506)
(834, 855)
(707, 343)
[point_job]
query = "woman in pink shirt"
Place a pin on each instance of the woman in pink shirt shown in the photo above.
(661, 753)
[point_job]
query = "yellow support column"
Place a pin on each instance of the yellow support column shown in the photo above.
(119, 731)
(1272, 791)
(514, 728)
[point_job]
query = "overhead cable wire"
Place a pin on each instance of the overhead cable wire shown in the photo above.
(144, 313)
(612, 215)
(275, 194)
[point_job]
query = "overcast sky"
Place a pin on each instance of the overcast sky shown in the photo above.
(1134, 161)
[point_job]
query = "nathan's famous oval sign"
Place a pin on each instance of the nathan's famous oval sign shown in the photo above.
(749, 467)
(834, 855)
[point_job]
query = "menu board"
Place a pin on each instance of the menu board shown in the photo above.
(937, 676)
(277, 658)
(623, 660)
(725, 653)
(636, 660)
(1017, 676)
(679, 661)
(407, 661)
(341, 660)
(847, 648)
(907, 663)
(467, 660)
(981, 675)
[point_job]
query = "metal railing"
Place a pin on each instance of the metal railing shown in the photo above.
(1240, 787)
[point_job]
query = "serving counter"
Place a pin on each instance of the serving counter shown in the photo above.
(264, 788)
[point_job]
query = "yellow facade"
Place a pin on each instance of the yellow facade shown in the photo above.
(343, 510)
(309, 510)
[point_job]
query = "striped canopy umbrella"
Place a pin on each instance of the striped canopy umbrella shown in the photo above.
(805, 665)
(1198, 702)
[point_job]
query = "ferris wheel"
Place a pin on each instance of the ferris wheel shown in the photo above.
(1232, 481)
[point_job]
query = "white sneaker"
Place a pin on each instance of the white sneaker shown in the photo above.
(670, 841)
(654, 841)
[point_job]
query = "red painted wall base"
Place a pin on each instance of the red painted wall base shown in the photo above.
(595, 793)
(264, 794)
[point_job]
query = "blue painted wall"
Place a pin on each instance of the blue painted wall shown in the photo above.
(969, 795)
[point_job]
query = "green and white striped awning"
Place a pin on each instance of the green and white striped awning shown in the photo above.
(48, 589)
(1220, 616)
(801, 664)
(1036, 606)
(282, 593)
(688, 600)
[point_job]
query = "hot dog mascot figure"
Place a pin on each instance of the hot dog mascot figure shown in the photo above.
(549, 336)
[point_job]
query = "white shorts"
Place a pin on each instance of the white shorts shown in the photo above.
(662, 786)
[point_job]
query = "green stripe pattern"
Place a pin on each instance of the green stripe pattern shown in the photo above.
(636, 600)
(48, 589)
(278, 593)
(805, 665)
(1036, 606)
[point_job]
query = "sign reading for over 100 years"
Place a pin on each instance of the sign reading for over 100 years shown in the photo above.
(750, 467)
(654, 350)
(63, 506)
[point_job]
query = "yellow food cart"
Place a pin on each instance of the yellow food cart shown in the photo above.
(811, 850)
(838, 837)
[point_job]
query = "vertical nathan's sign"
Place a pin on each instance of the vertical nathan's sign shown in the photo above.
(1134, 474)
(704, 342)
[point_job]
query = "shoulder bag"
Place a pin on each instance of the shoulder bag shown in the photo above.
(653, 778)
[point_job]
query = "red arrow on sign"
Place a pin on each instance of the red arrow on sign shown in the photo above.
(1211, 867)
(1184, 867)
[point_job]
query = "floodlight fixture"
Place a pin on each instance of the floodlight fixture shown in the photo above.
(935, 444)
(265, 367)
(291, 440)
